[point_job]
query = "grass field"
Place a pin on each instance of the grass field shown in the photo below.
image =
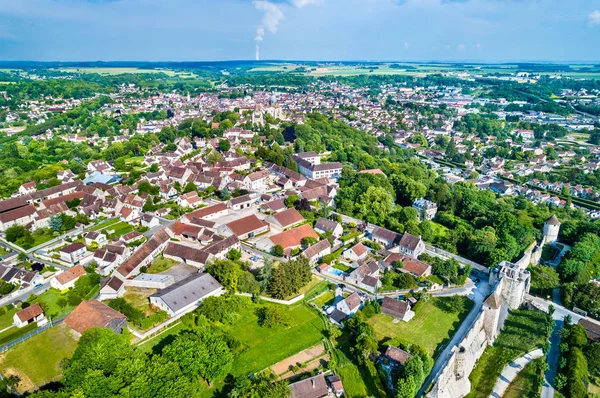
(524, 385)
(13, 333)
(523, 331)
(161, 264)
(359, 381)
(6, 319)
(260, 347)
(37, 361)
(120, 228)
(430, 327)
(324, 299)
(50, 299)
(105, 224)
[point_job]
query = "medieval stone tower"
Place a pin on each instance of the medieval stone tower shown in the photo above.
(551, 229)
(514, 283)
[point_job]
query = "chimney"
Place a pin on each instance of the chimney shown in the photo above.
(313, 382)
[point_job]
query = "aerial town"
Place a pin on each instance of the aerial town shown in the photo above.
(405, 235)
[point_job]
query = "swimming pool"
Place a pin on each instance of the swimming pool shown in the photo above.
(335, 271)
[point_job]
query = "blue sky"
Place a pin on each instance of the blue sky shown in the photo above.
(198, 30)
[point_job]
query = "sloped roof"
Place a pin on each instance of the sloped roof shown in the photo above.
(30, 312)
(288, 217)
(246, 225)
(293, 237)
(91, 314)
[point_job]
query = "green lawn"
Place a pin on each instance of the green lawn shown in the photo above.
(3, 251)
(430, 327)
(157, 341)
(50, 299)
(524, 385)
(324, 299)
(104, 224)
(14, 333)
(6, 319)
(358, 380)
(120, 228)
(262, 347)
(161, 264)
(523, 331)
(343, 267)
(37, 361)
(38, 238)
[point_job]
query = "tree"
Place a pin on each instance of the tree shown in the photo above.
(544, 277)
(308, 241)
(291, 200)
(277, 251)
(451, 150)
(190, 187)
(234, 255)
(227, 272)
(200, 354)
(224, 145)
(269, 316)
(55, 222)
(375, 205)
(15, 232)
(288, 278)
(592, 354)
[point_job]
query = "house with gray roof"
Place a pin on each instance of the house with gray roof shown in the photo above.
(186, 295)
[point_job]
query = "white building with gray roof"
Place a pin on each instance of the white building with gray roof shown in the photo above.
(186, 295)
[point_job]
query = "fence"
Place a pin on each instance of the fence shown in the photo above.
(29, 335)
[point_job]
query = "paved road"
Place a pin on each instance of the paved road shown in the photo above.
(163, 224)
(40, 260)
(478, 294)
(23, 296)
(510, 372)
(553, 357)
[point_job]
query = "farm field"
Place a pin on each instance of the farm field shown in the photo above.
(124, 70)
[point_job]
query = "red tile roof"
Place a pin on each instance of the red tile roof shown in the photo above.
(91, 314)
(293, 237)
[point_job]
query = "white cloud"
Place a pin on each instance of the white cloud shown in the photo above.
(594, 17)
(272, 15)
(461, 47)
(477, 46)
(406, 45)
(302, 3)
(447, 46)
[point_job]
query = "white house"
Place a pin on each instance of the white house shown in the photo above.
(33, 313)
(186, 295)
(66, 279)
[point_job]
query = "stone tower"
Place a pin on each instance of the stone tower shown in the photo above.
(514, 283)
(551, 229)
